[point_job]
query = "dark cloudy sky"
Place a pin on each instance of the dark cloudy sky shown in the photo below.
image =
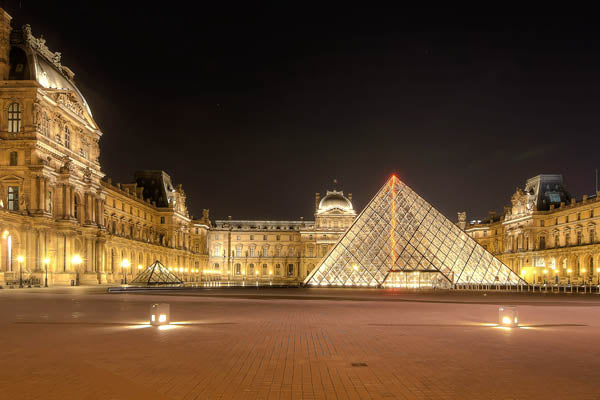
(254, 110)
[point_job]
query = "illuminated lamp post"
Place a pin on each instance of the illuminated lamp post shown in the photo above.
(545, 272)
(569, 272)
(77, 261)
(124, 265)
(46, 262)
(20, 261)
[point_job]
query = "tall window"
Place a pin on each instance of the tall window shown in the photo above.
(251, 237)
(14, 118)
(76, 208)
(567, 239)
(556, 240)
(290, 269)
(265, 252)
(592, 235)
(45, 125)
(238, 269)
(279, 252)
(216, 266)
(542, 242)
(67, 138)
(264, 269)
(278, 269)
(310, 251)
(291, 251)
(579, 238)
(251, 251)
(13, 198)
(13, 158)
(251, 269)
(264, 237)
(238, 251)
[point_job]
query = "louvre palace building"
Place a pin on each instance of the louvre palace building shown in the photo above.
(63, 222)
(545, 235)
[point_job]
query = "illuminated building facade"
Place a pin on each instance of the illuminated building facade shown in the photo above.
(280, 251)
(545, 235)
(400, 240)
(57, 212)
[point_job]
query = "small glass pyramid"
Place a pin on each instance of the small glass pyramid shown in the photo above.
(156, 275)
(400, 240)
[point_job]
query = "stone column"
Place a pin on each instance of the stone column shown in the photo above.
(38, 187)
(64, 201)
(45, 194)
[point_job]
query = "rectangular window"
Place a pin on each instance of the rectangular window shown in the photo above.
(265, 252)
(162, 220)
(279, 252)
(13, 158)
(251, 251)
(238, 269)
(278, 237)
(310, 252)
(542, 242)
(239, 238)
(238, 251)
(251, 237)
(291, 252)
(264, 271)
(216, 237)
(13, 198)
(278, 269)
(264, 237)
(290, 269)
(542, 223)
(14, 118)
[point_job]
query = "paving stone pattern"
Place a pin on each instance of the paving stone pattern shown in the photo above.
(90, 345)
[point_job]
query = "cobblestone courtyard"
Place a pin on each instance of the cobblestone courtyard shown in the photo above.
(77, 343)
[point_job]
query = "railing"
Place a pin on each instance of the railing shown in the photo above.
(533, 288)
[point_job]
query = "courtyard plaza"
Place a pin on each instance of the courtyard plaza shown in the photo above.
(297, 343)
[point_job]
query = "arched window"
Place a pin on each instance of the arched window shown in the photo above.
(67, 138)
(14, 117)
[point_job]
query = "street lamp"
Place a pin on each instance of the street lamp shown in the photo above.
(545, 272)
(77, 261)
(569, 272)
(124, 265)
(46, 262)
(20, 260)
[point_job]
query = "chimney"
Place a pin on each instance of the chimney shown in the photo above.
(350, 197)
(317, 200)
(5, 30)
(462, 220)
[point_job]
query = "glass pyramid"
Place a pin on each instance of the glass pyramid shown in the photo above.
(400, 240)
(156, 275)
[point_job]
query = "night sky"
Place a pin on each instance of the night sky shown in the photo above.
(255, 110)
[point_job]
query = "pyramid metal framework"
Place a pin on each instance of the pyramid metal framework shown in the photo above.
(400, 235)
(156, 275)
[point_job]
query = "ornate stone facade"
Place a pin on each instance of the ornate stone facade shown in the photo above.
(56, 210)
(546, 235)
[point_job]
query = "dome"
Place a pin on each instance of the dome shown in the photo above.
(335, 199)
(30, 59)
